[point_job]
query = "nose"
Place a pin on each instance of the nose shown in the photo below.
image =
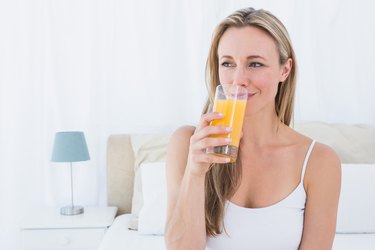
(240, 78)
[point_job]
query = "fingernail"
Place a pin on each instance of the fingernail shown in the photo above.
(227, 160)
(228, 139)
(221, 114)
(228, 129)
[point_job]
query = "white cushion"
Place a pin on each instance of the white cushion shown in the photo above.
(354, 242)
(152, 215)
(147, 148)
(353, 143)
(356, 213)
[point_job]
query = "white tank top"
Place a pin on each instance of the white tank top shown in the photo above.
(278, 226)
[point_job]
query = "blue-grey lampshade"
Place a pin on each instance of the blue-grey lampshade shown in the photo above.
(70, 147)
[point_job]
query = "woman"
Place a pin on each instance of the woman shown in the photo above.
(283, 190)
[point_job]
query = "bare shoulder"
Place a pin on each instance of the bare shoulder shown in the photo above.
(182, 134)
(323, 158)
(178, 148)
(324, 166)
(180, 140)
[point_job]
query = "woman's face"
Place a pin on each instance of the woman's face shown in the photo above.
(248, 57)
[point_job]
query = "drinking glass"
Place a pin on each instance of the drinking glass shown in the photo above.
(230, 100)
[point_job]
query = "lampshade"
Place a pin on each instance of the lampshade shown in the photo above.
(70, 147)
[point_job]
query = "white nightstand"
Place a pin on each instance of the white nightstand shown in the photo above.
(47, 229)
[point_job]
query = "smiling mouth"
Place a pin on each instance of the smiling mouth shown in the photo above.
(249, 95)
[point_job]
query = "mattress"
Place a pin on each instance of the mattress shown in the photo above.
(119, 237)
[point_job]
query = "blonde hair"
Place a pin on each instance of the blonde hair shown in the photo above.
(221, 182)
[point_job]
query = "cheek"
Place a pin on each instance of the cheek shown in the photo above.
(268, 84)
(224, 77)
(265, 81)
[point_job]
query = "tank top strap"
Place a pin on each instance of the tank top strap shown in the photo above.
(306, 160)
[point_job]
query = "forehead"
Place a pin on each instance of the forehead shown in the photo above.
(246, 41)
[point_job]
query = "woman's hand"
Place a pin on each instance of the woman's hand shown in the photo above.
(198, 160)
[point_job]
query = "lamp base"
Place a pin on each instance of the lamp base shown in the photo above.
(69, 210)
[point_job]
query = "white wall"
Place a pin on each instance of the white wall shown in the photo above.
(111, 66)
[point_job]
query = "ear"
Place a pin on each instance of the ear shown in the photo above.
(285, 69)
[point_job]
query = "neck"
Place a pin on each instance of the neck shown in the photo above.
(261, 129)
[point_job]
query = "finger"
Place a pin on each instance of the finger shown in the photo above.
(210, 158)
(209, 142)
(211, 130)
(209, 117)
(218, 159)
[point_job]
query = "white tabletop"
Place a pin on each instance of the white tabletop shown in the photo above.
(93, 217)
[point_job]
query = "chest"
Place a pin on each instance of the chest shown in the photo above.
(268, 177)
(270, 228)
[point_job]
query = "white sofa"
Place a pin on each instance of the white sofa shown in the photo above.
(128, 154)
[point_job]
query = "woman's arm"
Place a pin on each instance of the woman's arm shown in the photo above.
(187, 164)
(185, 228)
(323, 182)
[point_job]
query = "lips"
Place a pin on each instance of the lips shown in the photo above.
(249, 95)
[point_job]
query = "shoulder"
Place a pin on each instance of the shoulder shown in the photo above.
(178, 146)
(324, 166)
(183, 132)
(322, 159)
(180, 138)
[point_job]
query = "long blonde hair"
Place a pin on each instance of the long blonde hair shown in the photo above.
(222, 182)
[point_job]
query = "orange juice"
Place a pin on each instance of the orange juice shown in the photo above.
(234, 111)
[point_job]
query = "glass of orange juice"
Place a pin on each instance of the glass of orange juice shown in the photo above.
(230, 100)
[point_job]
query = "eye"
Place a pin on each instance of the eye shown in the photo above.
(255, 65)
(226, 64)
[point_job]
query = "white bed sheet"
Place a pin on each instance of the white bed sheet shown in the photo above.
(119, 237)
(354, 242)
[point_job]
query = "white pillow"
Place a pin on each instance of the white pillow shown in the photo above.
(356, 213)
(147, 148)
(152, 215)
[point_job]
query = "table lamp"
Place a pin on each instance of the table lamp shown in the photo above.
(70, 147)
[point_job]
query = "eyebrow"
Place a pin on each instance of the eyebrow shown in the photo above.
(249, 57)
